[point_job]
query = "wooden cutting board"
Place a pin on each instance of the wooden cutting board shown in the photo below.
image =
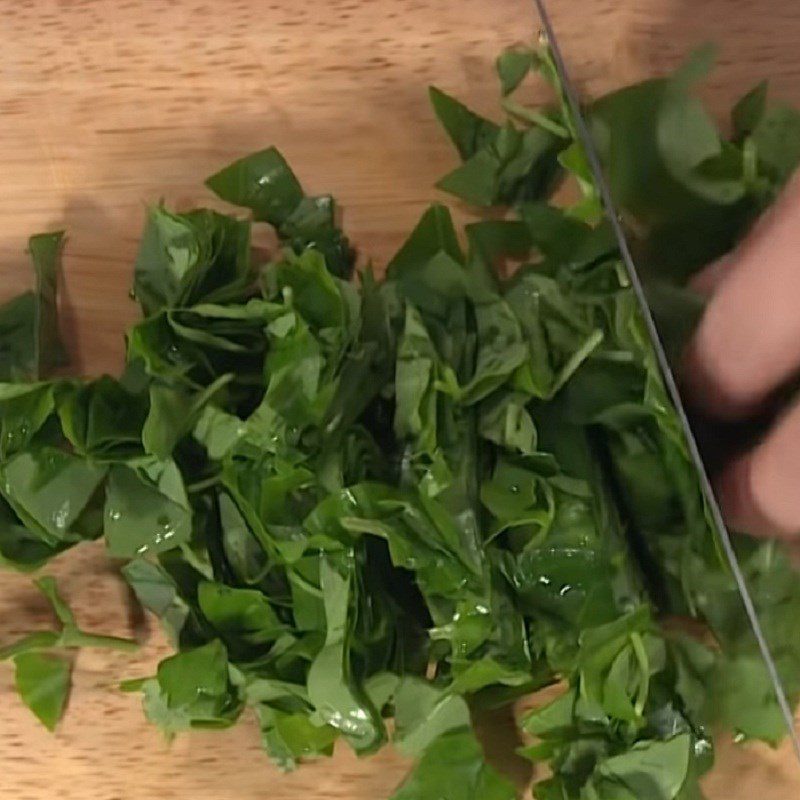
(107, 106)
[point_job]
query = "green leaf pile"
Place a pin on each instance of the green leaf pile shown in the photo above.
(354, 500)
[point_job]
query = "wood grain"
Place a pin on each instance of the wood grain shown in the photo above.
(107, 106)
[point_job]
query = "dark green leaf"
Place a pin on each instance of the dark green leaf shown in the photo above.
(43, 684)
(337, 697)
(24, 408)
(423, 713)
(186, 258)
(243, 618)
(192, 689)
(263, 182)
(512, 67)
(45, 250)
(654, 770)
(748, 113)
(452, 768)
(50, 491)
(30, 345)
(146, 509)
(514, 167)
(777, 141)
(434, 234)
(290, 738)
(468, 131)
(19, 548)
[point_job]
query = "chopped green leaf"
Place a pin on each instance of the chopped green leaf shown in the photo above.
(512, 67)
(146, 509)
(30, 345)
(43, 684)
(452, 768)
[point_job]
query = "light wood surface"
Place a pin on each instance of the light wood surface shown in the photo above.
(106, 106)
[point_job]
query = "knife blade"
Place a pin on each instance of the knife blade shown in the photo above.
(668, 376)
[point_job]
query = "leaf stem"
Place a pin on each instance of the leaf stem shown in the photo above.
(535, 118)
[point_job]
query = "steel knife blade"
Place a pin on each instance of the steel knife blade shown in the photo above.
(670, 383)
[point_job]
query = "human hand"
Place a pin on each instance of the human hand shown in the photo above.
(746, 347)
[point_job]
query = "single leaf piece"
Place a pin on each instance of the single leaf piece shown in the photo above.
(173, 413)
(218, 431)
(432, 235)
(45, 250)
(17, 338)
(313, 225)
(30, 345)
(51, 491)
(192, 689)
(423, 713)
(290, 738)
(749, 111)
(332, 688)
(161, 592)
(146, 510)
(512, 66)
(649, 769)
(21, 549)
(24, 409)
(777, 141)
(243, 618)
(475, 181)
(43, 682)
(453, 768)
(263, 182)
(744, 699)
(468, 131)
(315, 293)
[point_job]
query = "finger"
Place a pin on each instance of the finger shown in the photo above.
(748, 341)
(760, 492)
(709, 279)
